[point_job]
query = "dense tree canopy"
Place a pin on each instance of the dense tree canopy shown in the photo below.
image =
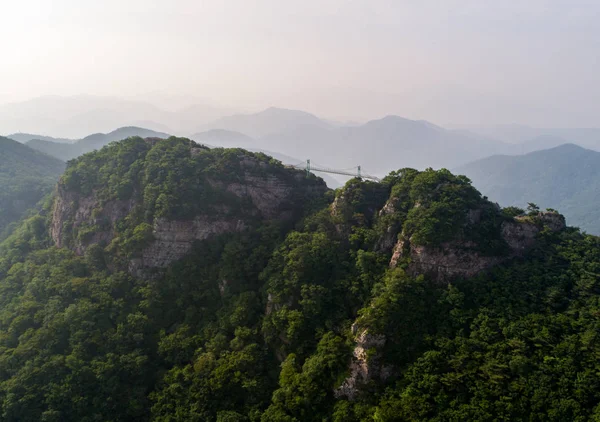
(26, 176)
(260, 325)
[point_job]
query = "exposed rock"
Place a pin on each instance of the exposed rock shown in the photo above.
(398, 252)
(73, 210)
(267, 194)
(264, 195)
(553, 220)
(474, 216)
(520, 235)
(338, 204)
(365, 365)
(458, 258)
(174, 239)
(388, 240)
(447, 262)
(223, 284)
(388, 208)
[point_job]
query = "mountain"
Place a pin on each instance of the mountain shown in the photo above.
(223, 138)
(92, 142)
(267, 122)
(519, 134)
(538, 143)
(169, 281)
(566, 178)
(26, 176)
(76, 116)
(228, 139)
(26, 137)
(98, 140)
(379, 145)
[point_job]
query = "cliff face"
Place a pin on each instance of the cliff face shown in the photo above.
(482, 238)
(75, 211)
(462, 259)
(365, 365)
(260, 192)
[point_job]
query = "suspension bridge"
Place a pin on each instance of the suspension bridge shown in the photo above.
(353, 171)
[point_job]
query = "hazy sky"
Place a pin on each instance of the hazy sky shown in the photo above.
(476, 61)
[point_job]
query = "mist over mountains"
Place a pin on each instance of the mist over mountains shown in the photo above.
(77, 116)
(533, 138)
(68, 151)
(378, 145)
(61, 127)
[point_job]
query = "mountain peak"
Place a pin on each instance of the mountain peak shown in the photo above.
(270, 121)
(569, 146)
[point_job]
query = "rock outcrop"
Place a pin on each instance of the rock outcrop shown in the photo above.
(462, 259)
(174, 239)
(365, 365)
(257, 194)
(73, 211)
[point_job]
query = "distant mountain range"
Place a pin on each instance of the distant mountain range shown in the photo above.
(566, 178)
(26, 137)
(542, 137)
(223, 138)
(65, 152)
(271, 121)
(379, 145)
(26, 176)
(76, 116)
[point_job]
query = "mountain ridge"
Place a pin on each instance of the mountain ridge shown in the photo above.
(91, 142)
(565, 177)
(26, 176)
(166, 280)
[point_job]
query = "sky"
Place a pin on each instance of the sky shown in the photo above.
(449, 61)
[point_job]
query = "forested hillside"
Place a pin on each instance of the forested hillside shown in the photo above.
(25, 177)
(171, 282)
(566, 178)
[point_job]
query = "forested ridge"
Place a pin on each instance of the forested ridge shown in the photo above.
(263, 321)
(26, 176)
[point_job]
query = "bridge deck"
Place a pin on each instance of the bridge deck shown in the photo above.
(336, 171)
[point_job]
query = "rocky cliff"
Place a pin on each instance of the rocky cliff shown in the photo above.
(260, 191)
(482, 237)
(463, 259)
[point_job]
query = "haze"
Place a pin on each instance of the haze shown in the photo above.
(471, 61)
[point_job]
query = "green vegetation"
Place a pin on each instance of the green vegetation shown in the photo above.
(26, 176)
(566, 178)
(260, 325)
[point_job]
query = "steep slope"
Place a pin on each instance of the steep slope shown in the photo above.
(566, 178)
(92, 142)
(168, 281)
(205, 193)
(26, 176)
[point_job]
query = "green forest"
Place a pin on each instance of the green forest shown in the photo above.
(26, 176)
(264, 322)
